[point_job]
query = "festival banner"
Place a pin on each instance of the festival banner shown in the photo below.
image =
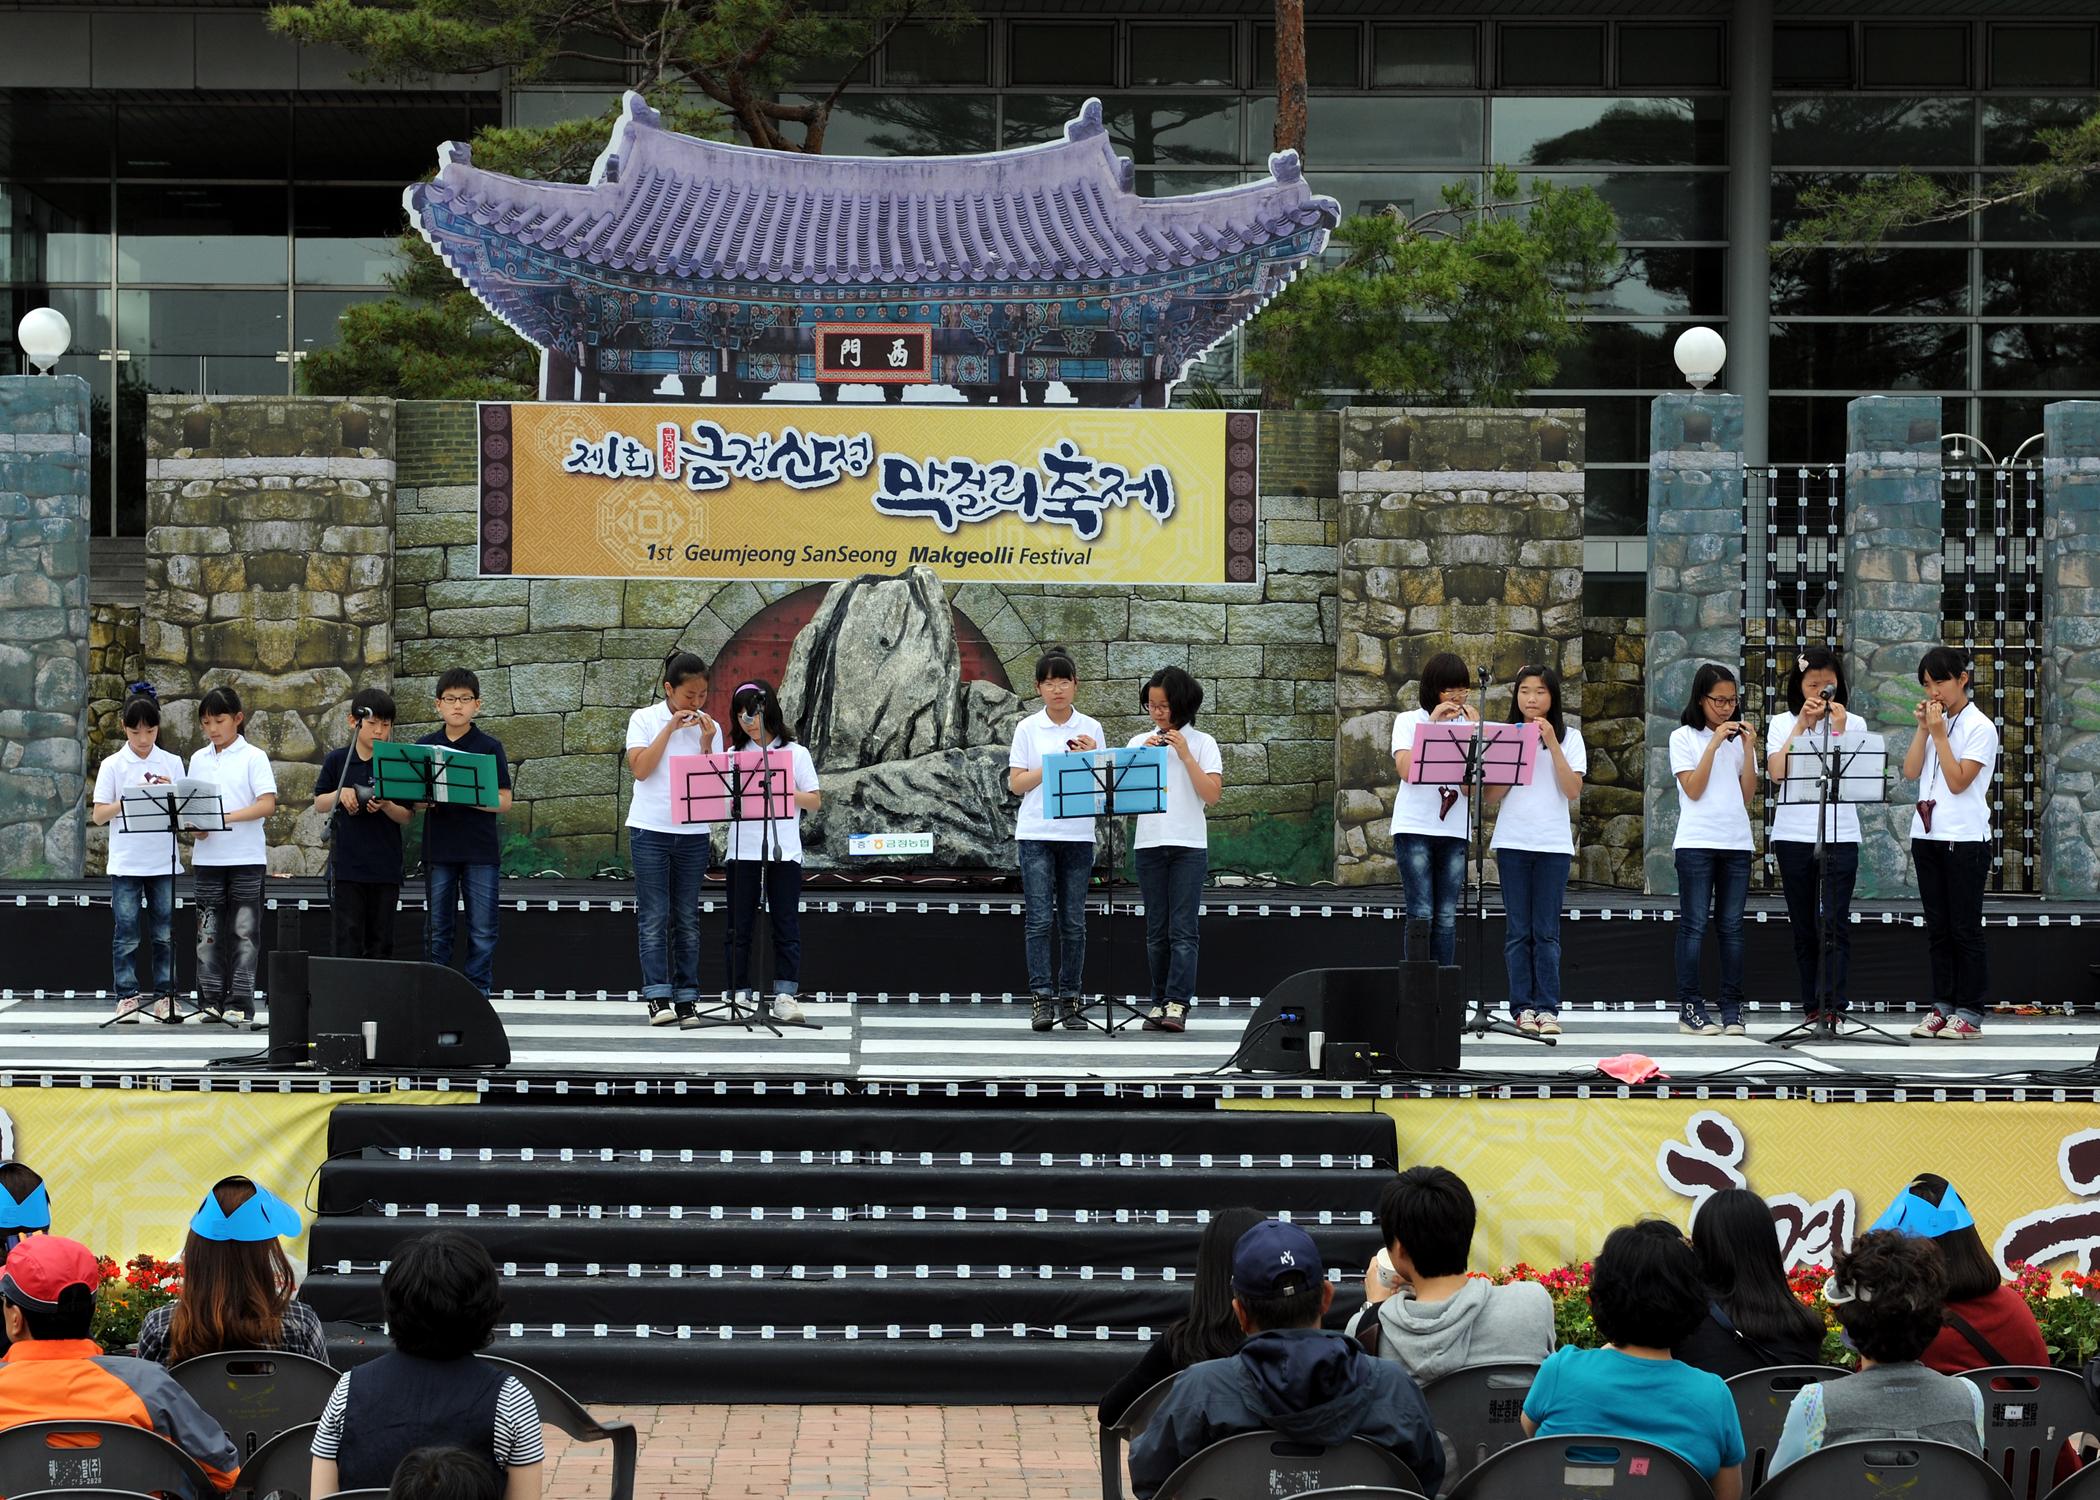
(1552, 1177)
(1041, 494)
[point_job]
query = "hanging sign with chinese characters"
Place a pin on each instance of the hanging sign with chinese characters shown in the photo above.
(1042, 494)
(874, 353)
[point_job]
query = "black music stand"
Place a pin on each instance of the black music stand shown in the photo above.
(170, 809)
(755, 787)
(1484, 755)
(1118, 783)
(1832, 771)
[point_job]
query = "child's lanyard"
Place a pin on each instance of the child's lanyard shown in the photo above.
(1932, 753)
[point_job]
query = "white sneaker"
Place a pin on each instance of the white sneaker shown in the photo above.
(1528, 1021)
(786, 1008)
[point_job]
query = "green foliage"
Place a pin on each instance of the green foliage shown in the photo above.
(1294, 850)
(1468, 304)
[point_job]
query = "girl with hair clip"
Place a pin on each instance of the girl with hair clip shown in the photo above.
(670, 857)
(1534, 845)
(1815, 698)
(1951, 758)
(773, 846)
(142, 864)
(1430, 824)
(1173, 847)
(1056, 854)
(237, 1284)
(1716, 778)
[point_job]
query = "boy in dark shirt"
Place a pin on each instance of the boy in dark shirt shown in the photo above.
(462, 846)
(364, 835)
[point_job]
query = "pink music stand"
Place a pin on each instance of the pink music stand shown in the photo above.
(1443, 754)
(744, 786)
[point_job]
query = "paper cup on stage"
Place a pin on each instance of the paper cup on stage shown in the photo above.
(1315, 1044)
(371, 1031)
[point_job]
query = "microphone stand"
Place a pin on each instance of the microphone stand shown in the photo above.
(1483, 1020)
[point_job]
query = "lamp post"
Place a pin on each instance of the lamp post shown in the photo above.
(1700, 353)
(44, 336)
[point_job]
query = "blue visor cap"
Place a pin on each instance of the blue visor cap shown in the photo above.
(263, 1217)
(33, 1212)
(1912, 1215)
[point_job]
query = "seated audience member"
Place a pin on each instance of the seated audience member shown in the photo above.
(1431, 1316)
(1887, 1292)
(25, 1203)
(1209, 1330)
(441, 1299)
(236, 1283)
(55, 1372)
(445, 1474)
(1988, 1323)
(1646, 1296)
(1291, 1377)
(1753, 1319)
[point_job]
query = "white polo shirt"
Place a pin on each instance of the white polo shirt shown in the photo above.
(651, 807)
(1962, 817)
(1418, 807)
(1183, 825)
(1536, 817)
(1795, 822)
(1720, 819)
(138, 853)
(243, 776)
(1034, 738)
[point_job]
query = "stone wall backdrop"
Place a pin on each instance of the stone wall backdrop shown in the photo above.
(115, 661)
(1460, 531)
(269, 569)
(1608, 828)
(2071, 649)
(44, 456)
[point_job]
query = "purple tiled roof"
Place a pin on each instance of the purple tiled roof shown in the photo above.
(665, 204)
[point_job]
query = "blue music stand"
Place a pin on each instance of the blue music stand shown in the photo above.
(1117, 783)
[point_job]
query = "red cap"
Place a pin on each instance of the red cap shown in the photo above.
(42, 1266)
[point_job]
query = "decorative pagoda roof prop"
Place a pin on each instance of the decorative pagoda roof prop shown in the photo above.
(991, 274)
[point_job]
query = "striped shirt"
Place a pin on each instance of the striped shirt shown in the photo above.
(518, 1444)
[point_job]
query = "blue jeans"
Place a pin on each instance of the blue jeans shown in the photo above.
(1053, 892)
(783, 885)
(126, 893)
(1532, 886)
(444, 886)
(1170, 879)
(1432, 877)
(668, 871)
(229, 904)
(1715, 881)
(1797, 871)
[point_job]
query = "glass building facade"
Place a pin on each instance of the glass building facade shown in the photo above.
(202, 199)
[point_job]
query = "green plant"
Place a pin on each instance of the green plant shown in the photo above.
(123, 1300)
(2066, 1311)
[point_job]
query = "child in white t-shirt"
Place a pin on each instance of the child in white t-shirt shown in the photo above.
(227, 866)
(1711, 757)
(142, 863)
(670, 857)
(1951, 758)
(1534, 845)
(772, 846)
(1430, 822)
(1173, 847)
(1056, 854)
(1815, 695)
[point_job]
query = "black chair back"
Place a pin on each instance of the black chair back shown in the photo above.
(82, 1495)
(2028, 1413)
(1761, 1401)
(564, 1413)
(1477, 1411)
(1263, 1465)
(1876, 1468)
(1137, 1416)
(257, 1393)
(358, 1495)
(96, 1455)
(1361, 1492)
(1578, 1466)
(283, 1466)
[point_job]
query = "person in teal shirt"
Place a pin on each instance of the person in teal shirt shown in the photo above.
(1646, 1296)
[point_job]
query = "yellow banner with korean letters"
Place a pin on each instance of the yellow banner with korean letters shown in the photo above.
(1042, 494)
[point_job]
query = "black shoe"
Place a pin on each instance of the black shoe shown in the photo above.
(685, 1015)
(1039, 1013)
(661, 1014)
(1073, 1018)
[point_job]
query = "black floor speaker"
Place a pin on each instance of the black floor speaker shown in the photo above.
(1395, 1019)
(421, 1015)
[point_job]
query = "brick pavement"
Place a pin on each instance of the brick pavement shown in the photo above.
(862, 1452)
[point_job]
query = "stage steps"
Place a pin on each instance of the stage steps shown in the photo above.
(852, 1248)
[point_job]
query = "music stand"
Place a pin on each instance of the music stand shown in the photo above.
(1849, 769)
(743, 786)
(1127, 781)
(188, 803)
(409, 772)
(1474, 756)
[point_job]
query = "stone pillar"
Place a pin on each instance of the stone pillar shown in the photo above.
(44, 457)
(1695, 582)
(2070, 707)
(269, 569)
(1892, 601)
(1460, 531)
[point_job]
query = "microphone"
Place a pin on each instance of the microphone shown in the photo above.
(1829, 691)
(1483, 679)
(361, 713)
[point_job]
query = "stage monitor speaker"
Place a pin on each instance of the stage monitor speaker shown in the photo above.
(421, 1015)
(286, 976)
(1388, 1019)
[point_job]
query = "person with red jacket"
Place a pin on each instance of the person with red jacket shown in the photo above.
(1988, 1323)
(54, 1372)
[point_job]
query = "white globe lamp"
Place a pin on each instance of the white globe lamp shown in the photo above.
(44, 335)
(1700, 353)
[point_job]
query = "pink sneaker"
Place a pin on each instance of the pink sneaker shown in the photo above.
(1930, 1027)
(1958, 1030)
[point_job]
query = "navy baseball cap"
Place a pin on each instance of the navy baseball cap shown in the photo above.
(1274, 1259)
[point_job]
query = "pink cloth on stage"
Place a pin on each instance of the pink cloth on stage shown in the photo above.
(1631, 1067)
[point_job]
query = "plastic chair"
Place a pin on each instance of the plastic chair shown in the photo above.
(1879, 1468)
(1576, 1466)
(1761, 1401)
(1263, 1465)
(78, 1456)
(257, 1393)
(283, 1466)
(82, 1495)
(2028, 1413)
(1477, 1411)
(1137, 1416)
(358, 1495)
(564, 1413)
(1361, 1492)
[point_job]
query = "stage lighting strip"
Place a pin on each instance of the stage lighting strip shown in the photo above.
(841, 1214)
(848, 1332)
(687, 1156)
(634, 1271)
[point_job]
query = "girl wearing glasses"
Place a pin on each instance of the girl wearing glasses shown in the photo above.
(768, 854)
(670, 857)
(1430, 822)
(1710, 755)
(1815, 696)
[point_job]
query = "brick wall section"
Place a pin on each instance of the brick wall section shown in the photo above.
(434, 441)
(1608, 828)
(2070, 830)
